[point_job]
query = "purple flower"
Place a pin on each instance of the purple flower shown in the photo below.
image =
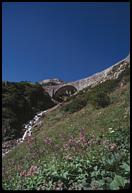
(48, 141)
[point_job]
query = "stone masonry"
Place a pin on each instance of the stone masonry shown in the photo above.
(107, 74)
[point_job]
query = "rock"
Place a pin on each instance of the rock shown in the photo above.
(31, 122)
(26, 126)
(41, 114)
(50, 82)
(25, 134)
(30, 127)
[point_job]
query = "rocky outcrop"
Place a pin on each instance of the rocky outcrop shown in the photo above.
(51, 82)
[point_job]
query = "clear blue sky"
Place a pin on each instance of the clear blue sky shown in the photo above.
(69, 41)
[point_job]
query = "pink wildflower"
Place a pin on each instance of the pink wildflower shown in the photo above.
(33, 170)
(81, 134)
(59, 185)
(29, 139)
(71, 141)
(112, 147)
(65, 146)
(23, 173)
(48, 141)
(82, 137)
(78, 141)
(68, 157)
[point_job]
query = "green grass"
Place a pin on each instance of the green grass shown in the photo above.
(90, 165)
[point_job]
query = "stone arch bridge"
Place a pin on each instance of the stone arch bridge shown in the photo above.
(68, 89)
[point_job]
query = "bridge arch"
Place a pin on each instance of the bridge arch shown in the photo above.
(64, 91)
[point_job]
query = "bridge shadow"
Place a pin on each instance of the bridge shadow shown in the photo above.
(63, 92)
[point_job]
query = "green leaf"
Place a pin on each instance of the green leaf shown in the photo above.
(80, 170)
(114, 185)
(118, 182)
(101, 182)
(65, 174)
(95, 168)
(54, 173)
(102, 173)
(92, 174)
(126, 167)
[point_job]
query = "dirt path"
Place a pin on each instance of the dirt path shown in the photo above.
(53, 108)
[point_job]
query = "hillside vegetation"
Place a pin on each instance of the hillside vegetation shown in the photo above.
(20, 102)
(82, 145)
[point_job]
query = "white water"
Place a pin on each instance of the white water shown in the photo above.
(29, 126)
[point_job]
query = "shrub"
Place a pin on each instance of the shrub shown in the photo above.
(99, 99)
(75, 105)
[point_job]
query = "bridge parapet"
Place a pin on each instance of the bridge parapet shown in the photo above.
(107, 74)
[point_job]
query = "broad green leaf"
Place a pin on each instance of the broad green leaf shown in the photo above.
(118, 182)
(126, 167)
(101, 182)
(80, 170)
(95, 168)
(92, 174)
(65, 174)
(114, 185)
(103, 173)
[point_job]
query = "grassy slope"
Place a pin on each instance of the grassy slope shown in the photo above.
(51, 161)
